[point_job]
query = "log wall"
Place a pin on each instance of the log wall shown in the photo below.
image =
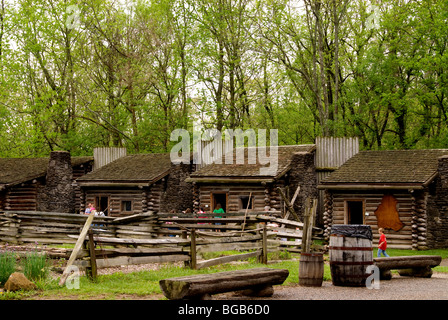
(23, 197)
(116, 196)
(234, 193)
(335, 203)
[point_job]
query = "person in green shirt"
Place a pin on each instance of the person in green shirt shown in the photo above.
(218, 209)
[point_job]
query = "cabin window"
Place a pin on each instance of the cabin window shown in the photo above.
(126, 205)
(355, 212)
(246, 203)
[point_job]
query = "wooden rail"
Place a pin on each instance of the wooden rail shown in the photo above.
(187, 249)
(150, 238)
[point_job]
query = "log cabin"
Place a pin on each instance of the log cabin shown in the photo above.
(241, 187)
(137, 183)
(403, 191)
(24, 181)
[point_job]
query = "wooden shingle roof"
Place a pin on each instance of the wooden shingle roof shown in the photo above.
(136, 169)
(17, 170)
(248, 172)
(407, 168)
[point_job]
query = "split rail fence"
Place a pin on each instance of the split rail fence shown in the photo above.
(153, 238)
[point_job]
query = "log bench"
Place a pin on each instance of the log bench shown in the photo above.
(252, 282)
(413, 266)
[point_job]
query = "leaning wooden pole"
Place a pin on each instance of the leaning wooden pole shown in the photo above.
(245, 213)
(78, 246)
(288, 205)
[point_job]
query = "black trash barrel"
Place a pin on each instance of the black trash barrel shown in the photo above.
(350, 254)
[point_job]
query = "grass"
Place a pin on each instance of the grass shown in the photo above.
(7, 265)
(35, 266)
(145, 283)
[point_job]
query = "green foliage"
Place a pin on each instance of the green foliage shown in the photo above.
(7, 265)
(35, 266)
(130, 72)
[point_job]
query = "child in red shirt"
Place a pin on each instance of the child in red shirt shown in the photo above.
(382, 244)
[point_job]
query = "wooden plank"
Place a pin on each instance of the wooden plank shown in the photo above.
(128, 260)
(292, 223)
(130, 241)
(135, 217)
(229, 239)
(78, 246)
(205, 226)
(209, 219)
(140, 251)
(227, 259)
(228, 246)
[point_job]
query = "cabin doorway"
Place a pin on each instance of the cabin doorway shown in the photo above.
(102, 204)
(355, 212)
(221, 198)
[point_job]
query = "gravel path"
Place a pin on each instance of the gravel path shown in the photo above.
(398, 288)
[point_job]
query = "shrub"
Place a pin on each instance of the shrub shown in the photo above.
(7, 265)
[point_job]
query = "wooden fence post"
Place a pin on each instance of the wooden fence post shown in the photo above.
(185, 236)
(306, 218)
(93, 272)
(264, 257)
(308, 222)
(193, 263)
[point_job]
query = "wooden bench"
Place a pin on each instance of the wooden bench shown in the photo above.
(254, 282)
(413, 266)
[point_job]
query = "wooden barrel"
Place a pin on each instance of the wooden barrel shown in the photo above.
(350, 254)
(311, 269)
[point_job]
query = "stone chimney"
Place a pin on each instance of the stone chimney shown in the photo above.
(58, 194)
(303, 174)
(443, 171)
(437, 207)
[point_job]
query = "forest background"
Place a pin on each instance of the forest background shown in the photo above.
(75, 75)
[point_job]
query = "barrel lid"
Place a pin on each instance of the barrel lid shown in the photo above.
(352, 230)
